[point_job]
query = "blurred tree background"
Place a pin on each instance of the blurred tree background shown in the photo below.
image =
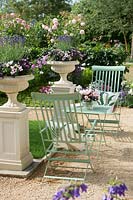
(105, 19)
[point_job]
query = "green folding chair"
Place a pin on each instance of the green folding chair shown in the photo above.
(107, 80)
(68, 145)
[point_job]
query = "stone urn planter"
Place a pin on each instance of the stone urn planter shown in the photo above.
(63, 68)
(11, 86)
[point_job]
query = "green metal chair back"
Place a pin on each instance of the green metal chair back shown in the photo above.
(60, 129)
(108, 78)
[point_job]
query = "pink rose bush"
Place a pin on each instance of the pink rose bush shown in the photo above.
(63, 36)
(12, 24)
(66, 25)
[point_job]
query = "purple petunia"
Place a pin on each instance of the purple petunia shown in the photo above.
(67, 55)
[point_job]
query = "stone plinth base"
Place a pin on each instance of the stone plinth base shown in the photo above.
(24, 173)
(63, 89)
(14, 140)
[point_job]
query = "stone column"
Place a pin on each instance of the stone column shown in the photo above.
(14, 140)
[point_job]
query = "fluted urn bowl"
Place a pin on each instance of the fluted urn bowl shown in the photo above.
(12, 86)
(63, 68)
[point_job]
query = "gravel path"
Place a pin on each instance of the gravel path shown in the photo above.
(116, 159)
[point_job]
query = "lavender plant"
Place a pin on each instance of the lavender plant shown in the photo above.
(11, 48)
(13, 59)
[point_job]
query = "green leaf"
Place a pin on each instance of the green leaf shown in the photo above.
(110, 98)
(101, 98)
(111, 104)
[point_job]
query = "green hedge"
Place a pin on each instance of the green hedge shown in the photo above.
(99, 54)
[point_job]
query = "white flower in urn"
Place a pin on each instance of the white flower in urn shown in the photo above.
(87, 94)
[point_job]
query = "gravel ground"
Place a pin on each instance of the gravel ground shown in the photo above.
(116, 159)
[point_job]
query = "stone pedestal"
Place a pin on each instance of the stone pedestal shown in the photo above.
(63, 89)
(14, 140)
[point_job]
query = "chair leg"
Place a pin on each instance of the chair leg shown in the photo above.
(85, 169)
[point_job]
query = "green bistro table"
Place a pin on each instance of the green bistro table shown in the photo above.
(96, 117)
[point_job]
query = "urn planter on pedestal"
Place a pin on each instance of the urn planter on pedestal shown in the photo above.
(14, 126)
(63, 68)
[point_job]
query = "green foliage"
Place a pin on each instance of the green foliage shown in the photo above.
(11, 52)
(105, 17)
(101, 100)
(34, 52)
(110, 99)
(102, 55)
(43, 77)
(129, 101)
(81, 76)
(38, 9)
(12, 24)
(3, 98)
(86, 77)
(36, 37)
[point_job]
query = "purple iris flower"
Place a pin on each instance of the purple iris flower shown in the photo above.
(123, 186)
(105, 197)
(58, 195)
(121, 190)
(70, 192)
(117, 190)
(83, 187)
(113, 190)
(76, 192)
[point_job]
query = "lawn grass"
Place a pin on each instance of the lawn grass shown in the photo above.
(36, 146)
